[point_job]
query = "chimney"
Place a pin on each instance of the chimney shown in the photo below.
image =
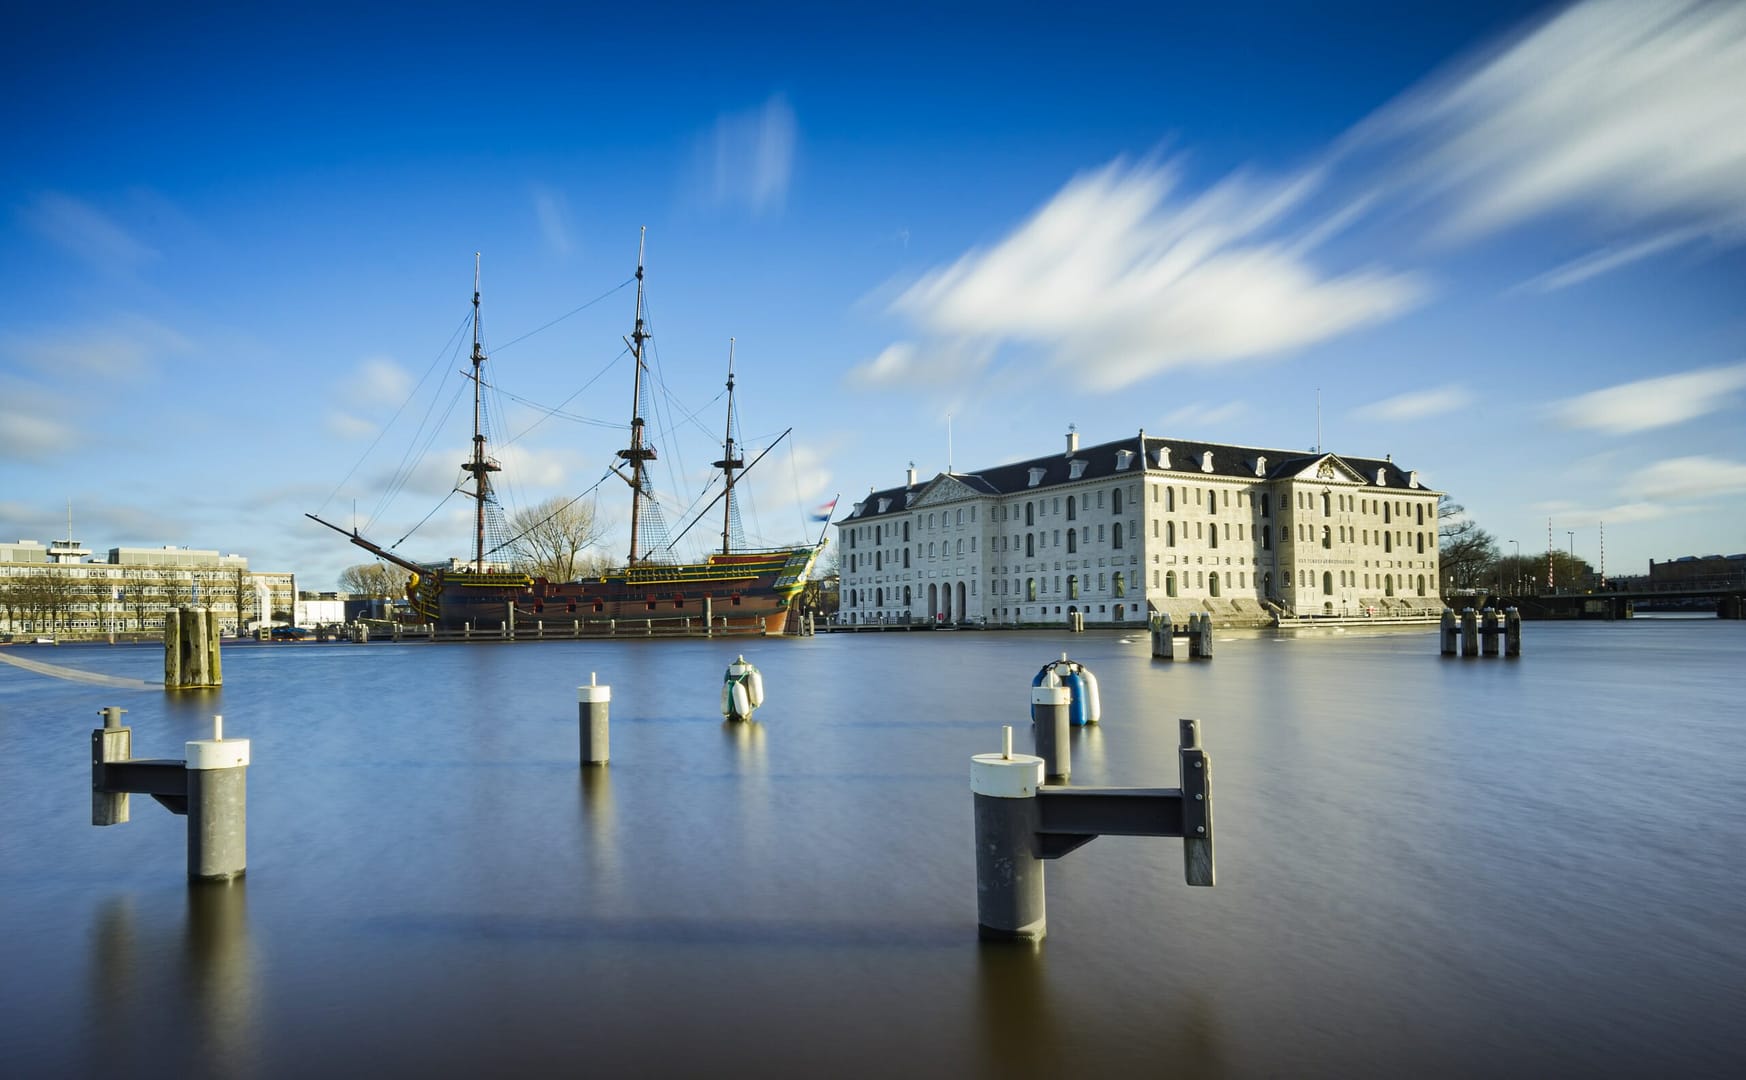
(1072, 440)
(912, 474)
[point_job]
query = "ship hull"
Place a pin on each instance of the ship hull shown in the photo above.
(744, 590)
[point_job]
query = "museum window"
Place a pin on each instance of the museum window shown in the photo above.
(1213, 584)
(1119, 584)
(1072, 586)
(1030, 588)
(1115, 499)
(1116, 534)
(1030, 545)
(1030, 513)
(1072, 515)
(1327, 583)
(1072, 541)
(1170, 583)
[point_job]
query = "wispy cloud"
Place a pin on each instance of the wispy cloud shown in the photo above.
(1417, 405)
(1606, 260)
(378, 381)
(127, 348)
(1653, 403)
(552, 211)
(1627, 108)
(1199, 416)
(1119, 280)
(747, 158)
(1683, 478)
(86, 233)
(32, 426)
(935, 363)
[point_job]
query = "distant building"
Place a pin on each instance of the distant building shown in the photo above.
(1698, 569)
(1126, 528)
(58, 588)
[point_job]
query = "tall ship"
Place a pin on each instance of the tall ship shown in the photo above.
(733, 589)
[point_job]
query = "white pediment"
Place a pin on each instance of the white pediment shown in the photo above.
(945, 489)
(1329, 469)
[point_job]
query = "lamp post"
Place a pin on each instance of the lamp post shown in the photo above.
(1572, 536)
(1517, 566)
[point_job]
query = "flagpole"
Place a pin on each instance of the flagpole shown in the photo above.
(827, 518)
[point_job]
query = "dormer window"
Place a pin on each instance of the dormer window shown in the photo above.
(1206, 461)
(1413, 479)
(1163, 457)
(1260, 466)
(1124, 458)
(1036, 477)
(908, 499)
(1382, 477)
(884, 505)
(1075, 469)
(857, 511)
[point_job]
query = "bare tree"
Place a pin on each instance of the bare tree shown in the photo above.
(553, 538)
(241, 589)
(376, 580)
(1466, 552)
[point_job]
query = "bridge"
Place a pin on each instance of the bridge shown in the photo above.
(1726, 596)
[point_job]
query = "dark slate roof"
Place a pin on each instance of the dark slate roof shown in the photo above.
(1185, 458)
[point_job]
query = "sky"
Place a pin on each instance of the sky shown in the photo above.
(1504, 244)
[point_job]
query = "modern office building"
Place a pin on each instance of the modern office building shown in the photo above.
(1124, 529)
(59, 588)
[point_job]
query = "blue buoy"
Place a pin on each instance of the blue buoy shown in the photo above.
(1077, 678)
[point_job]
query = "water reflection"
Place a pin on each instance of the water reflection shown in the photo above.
(186, 1006)
(600, 825)
(746, 737)
(1017, 1022)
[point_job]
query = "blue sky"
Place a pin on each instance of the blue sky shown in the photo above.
(1504, 242)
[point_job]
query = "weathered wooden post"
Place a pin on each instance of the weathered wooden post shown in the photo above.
(1200, 636)
(1488, 631)
(593, 703)
(1469, 632)
(191, 649)
(1163, 638)
(1051, 727)
(708, 616)
(1450, 632)
(1512, 632)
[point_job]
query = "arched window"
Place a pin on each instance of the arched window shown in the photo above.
(1030, 513)
(1030, 545)
(906, 532)
(1072, 539)
(1327, 583)
(1072, 514)
(1119, 584)
(960, 547)
(1072, 586)
(1116, 534)
(1388, 583)
(1385, 516)
(931, 553)
(1266, 537)
(1327, 537)
(879, 560)
(1388, 540)
(1327, 504)
(1213, 535)
(906, 598)
(1213, 584)
(1267, 584)
(1170, 583)
(906, 558)
(1116, 501)
(1421, 584)
(1421, 546)
(878, 597)
(1030, 588)
(1169, 498)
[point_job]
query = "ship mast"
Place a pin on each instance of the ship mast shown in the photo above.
(637, 453)
(480, 466)
(729, 462)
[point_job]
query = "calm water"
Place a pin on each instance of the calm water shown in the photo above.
(1431, 866)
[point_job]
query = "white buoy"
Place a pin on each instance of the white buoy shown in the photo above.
(742, 690)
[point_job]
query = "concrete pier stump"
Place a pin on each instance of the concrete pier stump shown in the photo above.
(1051, 727)
(218, 770)
(1512, 632)
(1488, 632)
(1009, 875)
(1469, 632)
(1449, 631)
(593, 704)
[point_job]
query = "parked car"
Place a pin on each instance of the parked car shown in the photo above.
(289, 633)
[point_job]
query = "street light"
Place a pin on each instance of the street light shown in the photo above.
(1572, 536)
(1517, 565)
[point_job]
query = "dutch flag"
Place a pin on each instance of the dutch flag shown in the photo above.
(823, 513)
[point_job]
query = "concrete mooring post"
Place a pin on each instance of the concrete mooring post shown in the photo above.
(1020, 822)
(1163, 637)
(1512, 632)
(1488, 631)
(1469, 632)
(1449, 632)
(1200, 636)
(191, 649)
(1051, 727)
(209, 786)
(593, 703)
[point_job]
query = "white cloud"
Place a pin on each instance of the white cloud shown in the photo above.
(1687, 478)
(1199, 416)
(1606, 260)
(128, 348)
(1653, 403)
(347, 426)
(1417, 405)
(1630, 108)
(553, 213)
(378, 381)
(29, 434)
(1119, 282)
(905, 364)
(86, 233)
(747, 159)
